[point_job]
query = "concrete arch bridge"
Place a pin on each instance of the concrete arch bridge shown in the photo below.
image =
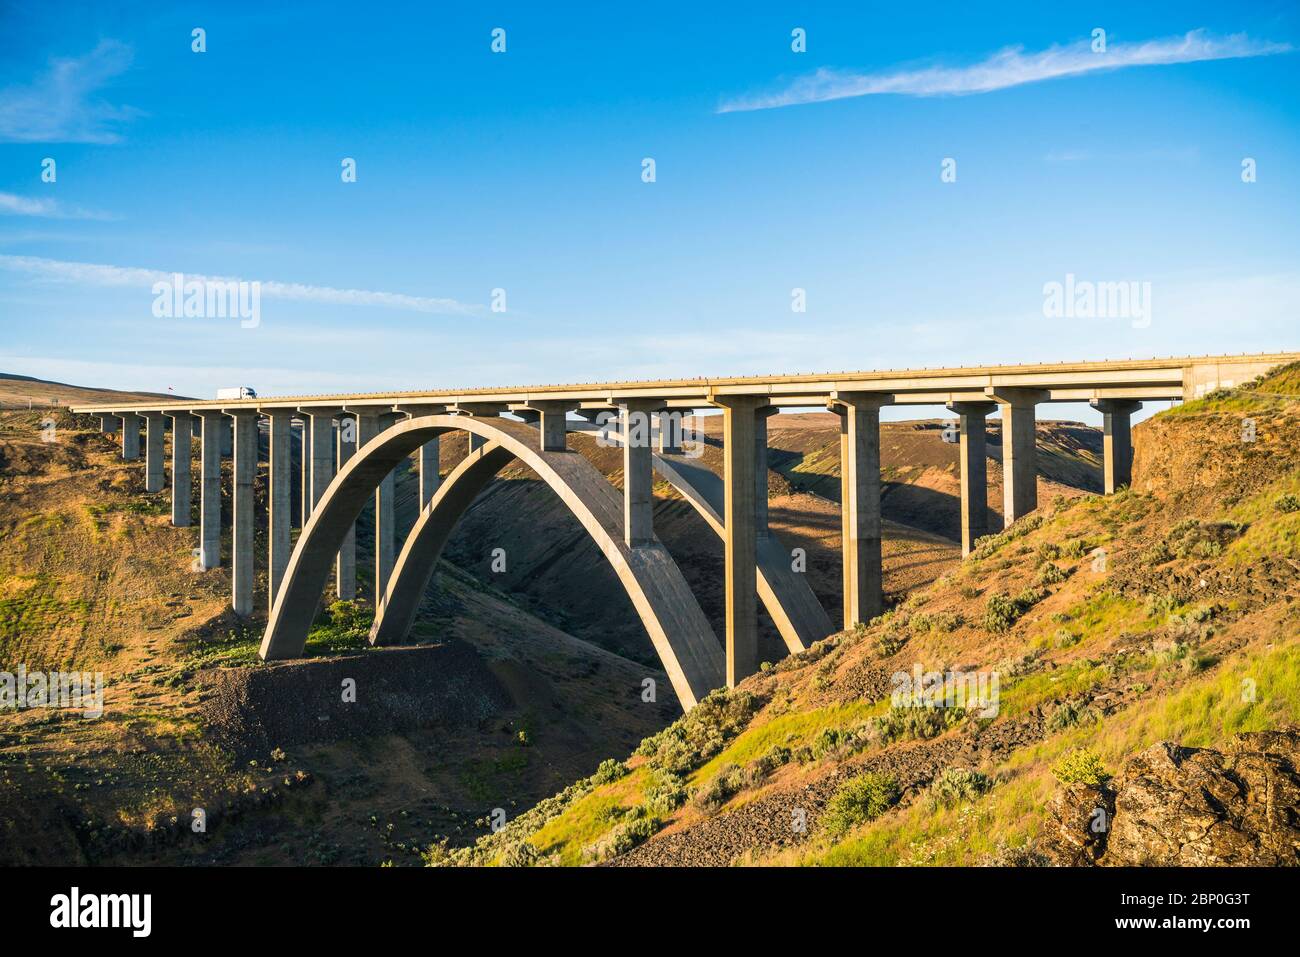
(349, 446)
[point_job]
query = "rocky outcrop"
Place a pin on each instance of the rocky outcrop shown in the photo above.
(1188, 807)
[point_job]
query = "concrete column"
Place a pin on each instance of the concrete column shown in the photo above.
(345, 565)
(304, 479)
(638, 473)
(670, 431)
(370, 422)
(1117, 441)
(739, 456)
(430, 474)
(279, 500)
(109, 423)
(1019, 451)
(974, 471)
(130, 436)
(320, 433)
(243, 525)
(227, 439)
(554, 426)
(210, 490)
(760, 470)
(864, 596)
(155, 430)
(182, 481)
(476, 442)
(430, 455)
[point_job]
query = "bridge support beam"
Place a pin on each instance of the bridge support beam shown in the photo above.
(109, 424)
(974, 471)
(304, 478)
(430, 471)
(860, 524)
(760, 471)
(345, 565)
(279, 500)
(155, 430)
(182, 480)
(227, 439)
(553, 426)
(243, 525)
(210, 490)
(1019, 450)
(740, 534)
(370, 422)
(1117, 441)
(638, 473)
(130, 436)
(670, 431)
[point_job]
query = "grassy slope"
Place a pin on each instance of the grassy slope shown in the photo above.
(1186, 631)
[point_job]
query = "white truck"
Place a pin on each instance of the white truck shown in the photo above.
(239, 392)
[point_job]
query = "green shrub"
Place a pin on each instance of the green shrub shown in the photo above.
(957, 786)
(1064, 638)
(890, 643)
(1082, 766)
(1000, 613)
(702, 732)
(906, 721)
(1290, 502)
(718, 791)
(1049, 574)
(1067, 715)
(609, 770)
(1075, 548)
(859, 800)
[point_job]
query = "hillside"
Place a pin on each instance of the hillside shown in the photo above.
(93, 577)
(1146, 649)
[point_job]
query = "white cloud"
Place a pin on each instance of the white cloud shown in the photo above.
(102, 275)
(14, 205)
(1007, 68)
(61, 105)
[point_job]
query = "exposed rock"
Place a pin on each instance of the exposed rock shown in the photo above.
(1200, 807)
(1079, 819)
(1187, 807)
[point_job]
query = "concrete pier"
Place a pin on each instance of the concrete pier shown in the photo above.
(864, 596)
(760, 470)
(370, 422)
(345, 565)
(243, 525)
(1019, 450)
(304, 478)
(430, 471)
(182, 480)
(1117, 442)
(739, 418)
(130, 436)
(638, 473)
(279, 500)
(670, 431)
(974, 471)
(553, 425)
(155, 431)
(210, 490)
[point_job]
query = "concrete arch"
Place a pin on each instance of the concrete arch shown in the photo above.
(794, 608)
(682, 636)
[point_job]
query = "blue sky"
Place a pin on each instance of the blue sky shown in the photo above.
(522, 171)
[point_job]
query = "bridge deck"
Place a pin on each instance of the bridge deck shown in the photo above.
(1153, 379)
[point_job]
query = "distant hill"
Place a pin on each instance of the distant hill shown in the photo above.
(18, 391)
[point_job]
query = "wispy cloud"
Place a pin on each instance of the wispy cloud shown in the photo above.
(1007, 68)
(95, 274)
(14, 205)
(62, 106)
